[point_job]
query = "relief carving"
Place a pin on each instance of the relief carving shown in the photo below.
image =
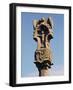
(43, 33)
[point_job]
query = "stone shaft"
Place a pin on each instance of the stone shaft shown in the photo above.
(44, 72)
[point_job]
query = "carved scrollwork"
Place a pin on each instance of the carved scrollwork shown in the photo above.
(42, 34)
(43, 54)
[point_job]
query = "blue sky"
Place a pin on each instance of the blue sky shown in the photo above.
(28, 45)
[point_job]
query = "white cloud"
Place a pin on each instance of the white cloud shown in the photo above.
(58, 70)
(33, 74)
(54, 71)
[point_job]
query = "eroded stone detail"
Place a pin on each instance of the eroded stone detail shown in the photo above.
(42, 34)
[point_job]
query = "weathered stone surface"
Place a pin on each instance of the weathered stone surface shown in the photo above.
(44, 72)
(43, 54)
(42, 34)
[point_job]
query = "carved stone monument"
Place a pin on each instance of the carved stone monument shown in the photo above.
(42, 34)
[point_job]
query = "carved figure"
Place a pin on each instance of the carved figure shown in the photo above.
(42, 34)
